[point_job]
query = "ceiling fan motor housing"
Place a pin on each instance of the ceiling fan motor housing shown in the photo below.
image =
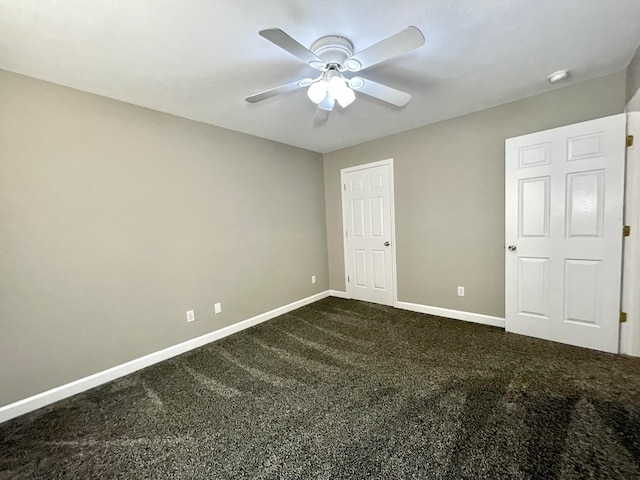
(333, 49)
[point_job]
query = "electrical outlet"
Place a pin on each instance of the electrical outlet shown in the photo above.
(217, 308)
(191, 316)
(461, 291)
(313, 279)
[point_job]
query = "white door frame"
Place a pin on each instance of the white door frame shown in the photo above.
(347, 264)
(630, 331)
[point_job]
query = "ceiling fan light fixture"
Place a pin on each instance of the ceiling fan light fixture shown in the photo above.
(317, 91)
(341, 92)
(346, 98)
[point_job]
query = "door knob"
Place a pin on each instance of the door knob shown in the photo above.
(512, 248)
(386, 244)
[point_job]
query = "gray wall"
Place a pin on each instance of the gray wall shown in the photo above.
(449, 194)
(115, 220)
(633, 83)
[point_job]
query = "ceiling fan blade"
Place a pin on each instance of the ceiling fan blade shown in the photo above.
(288, 87)
(380, 91)
(328, 103)
(325, 107)
(398, 44)
(291, 45)
(321, 117)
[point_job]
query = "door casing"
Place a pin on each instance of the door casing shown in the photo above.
(630, 330)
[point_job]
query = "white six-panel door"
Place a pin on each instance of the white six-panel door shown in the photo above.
(564, 210)
(368, 236)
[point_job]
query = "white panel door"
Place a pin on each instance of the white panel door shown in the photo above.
(367, 211)
(564, 206)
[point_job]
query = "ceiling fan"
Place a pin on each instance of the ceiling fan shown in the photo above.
(333, 56)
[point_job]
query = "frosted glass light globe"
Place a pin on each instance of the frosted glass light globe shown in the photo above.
(339, 90)
(336, 87)
(317, 91)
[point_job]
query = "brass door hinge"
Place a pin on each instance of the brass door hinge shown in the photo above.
(623, 317)
(629, 140)
(626, 231)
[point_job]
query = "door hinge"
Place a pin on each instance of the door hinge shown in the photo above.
(623, 317)
(344, 187)
(629, 140)
(626, 231)
(346, 233)
(348, 279)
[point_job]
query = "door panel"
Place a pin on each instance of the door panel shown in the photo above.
(368, 230)
(533, 286)
(564, 204)
(360, 268)
(581, 291)
(534, 155)
(357, 214)
(377, 217)
(585, 199)
(534, 207)
(379, 269)
(586, 146)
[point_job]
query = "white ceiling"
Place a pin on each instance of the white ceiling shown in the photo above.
(199, 59)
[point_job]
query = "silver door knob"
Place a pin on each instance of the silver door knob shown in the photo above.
(512, 248)
(386, 244)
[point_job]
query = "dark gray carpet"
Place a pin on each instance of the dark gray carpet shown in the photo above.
(345, 389)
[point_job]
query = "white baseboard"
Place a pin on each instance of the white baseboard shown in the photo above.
(457, 314)
(59, 393)
(441, 312)
(338, 294)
